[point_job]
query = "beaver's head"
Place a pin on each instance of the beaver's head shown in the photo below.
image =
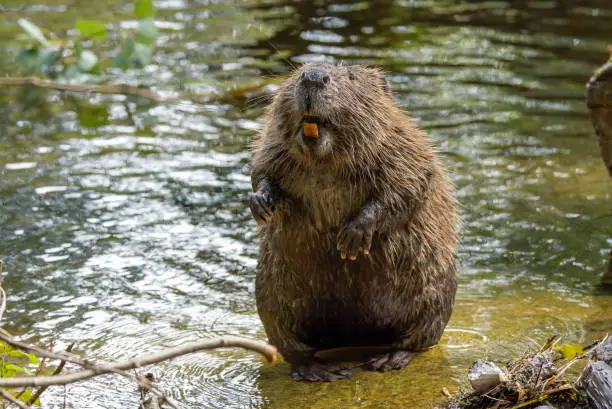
(326, 109)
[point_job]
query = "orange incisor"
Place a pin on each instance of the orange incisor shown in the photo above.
(311, 130)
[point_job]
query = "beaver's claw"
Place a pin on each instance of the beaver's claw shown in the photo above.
(263, 201)
(355, 237)
(388, 361)
(261, 206)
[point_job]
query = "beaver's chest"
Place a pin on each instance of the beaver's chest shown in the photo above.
(322, 199)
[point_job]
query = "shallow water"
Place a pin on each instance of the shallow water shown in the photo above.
(124, 224)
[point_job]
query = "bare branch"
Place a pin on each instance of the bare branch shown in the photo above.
(99, 89)
(6, 395)
(227, 341)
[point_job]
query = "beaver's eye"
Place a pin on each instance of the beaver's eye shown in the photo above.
(351, 75)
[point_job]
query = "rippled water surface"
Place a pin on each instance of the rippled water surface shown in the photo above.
(124, 224)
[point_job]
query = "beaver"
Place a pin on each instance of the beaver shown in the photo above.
(357, 223)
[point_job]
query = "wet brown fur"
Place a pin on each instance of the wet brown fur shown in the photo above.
(377, 166)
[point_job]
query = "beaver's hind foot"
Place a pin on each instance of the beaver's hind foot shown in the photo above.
(316, 372)
(390, 360)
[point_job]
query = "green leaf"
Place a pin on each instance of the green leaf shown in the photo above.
(92, 29)
(147, 32)
(34, 32)
(25, 395)
(142, 54)
(144, 8)
(33, 359)
(8, 373)
(16, 353)
(122, 59)
(87, 61)
(570, 351)
(4, 347)
(13, 367)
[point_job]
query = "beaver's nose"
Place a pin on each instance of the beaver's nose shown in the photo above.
(314, 78)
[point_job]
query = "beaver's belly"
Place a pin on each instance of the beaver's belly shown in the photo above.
(357, 316)
(339, 302)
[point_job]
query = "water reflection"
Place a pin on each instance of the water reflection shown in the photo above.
(123, 222)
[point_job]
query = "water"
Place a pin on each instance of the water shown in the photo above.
(124, 225)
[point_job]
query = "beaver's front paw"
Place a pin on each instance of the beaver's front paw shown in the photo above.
(356, 237)
(261, 206)
(263, 201)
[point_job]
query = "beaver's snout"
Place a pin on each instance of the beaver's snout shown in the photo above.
(311, 88)
(314, 78)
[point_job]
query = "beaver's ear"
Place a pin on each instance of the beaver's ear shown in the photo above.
(385, 84)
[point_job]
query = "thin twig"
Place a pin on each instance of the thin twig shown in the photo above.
(543, 397)
(56, 372)
(550, 343)
(226, 341)
(6, 395)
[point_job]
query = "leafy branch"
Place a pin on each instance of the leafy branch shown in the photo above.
(76, 58)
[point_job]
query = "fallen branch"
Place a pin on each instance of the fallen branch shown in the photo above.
(122, 89)
(69, 357)
(92, 369)
(266, 350)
